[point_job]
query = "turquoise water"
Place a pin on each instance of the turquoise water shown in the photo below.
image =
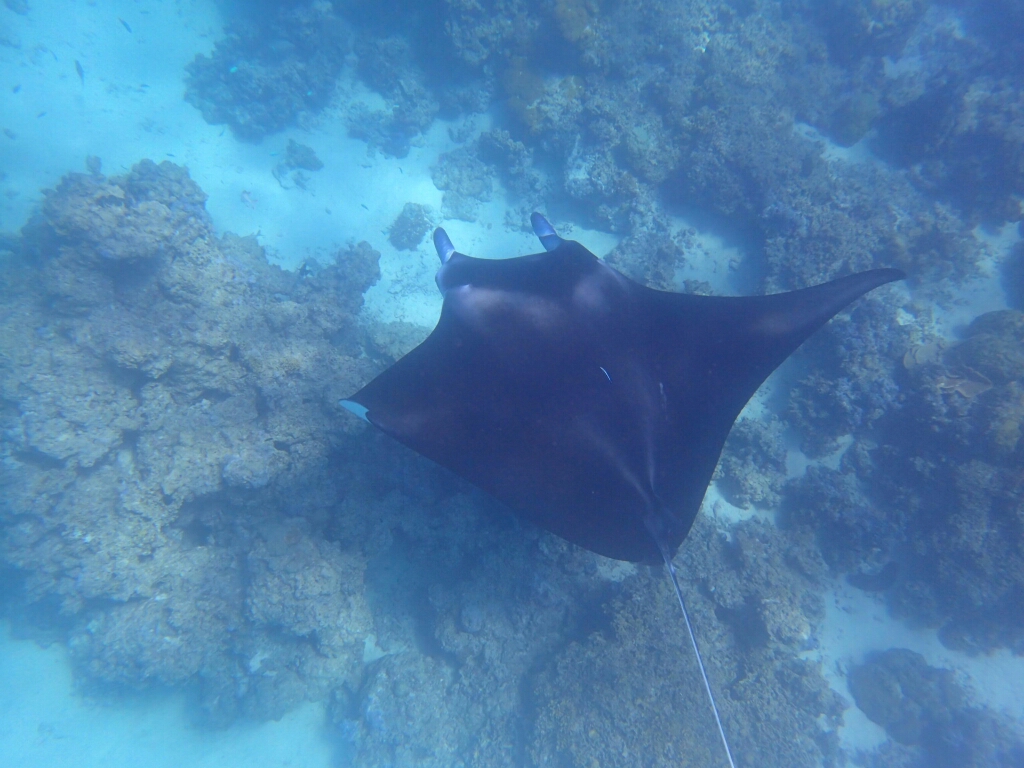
(214, 225)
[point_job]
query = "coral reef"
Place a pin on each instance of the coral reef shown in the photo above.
(467, 603)
(510, 646)
(851, 529)
(930, 500)
(922, 705)
(515, 164)
(156, 213)
(852, 377)
(954, 116)
(629, 693)
(269, 69)
(631, 131)
(410, 226)
(185, 502)
(180, 486)
(169, 413)
(298, 158)
(466, 182)
(753, 465)
(651, 257)
(856, 29)
(1013, 276)
(953, 459)
(388, 66)
(481, 31)
(715, 125)
(900, 692)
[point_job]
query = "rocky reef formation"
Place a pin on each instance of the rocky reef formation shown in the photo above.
(168, 399)
(927, 713)
(389, 67)
(466, 182)
(271, 68)
(933, 495)
(610, 697)
(853, 378)
(953, 463)
(753, 466)
(410, 226)
(640, 109)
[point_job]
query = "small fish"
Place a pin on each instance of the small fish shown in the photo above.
(80, 71)
(233, 70)
(364, 206)
(248, 199)
(10, 134)
(42, 114)
(125, 24)
(16, 89)
(169, 154)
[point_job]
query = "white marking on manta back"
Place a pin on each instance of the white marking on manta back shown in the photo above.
(356, 408)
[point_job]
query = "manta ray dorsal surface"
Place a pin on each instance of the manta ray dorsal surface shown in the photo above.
(592, 405)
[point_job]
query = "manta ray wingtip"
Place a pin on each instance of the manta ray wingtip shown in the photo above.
(896, 274)
(443, 245)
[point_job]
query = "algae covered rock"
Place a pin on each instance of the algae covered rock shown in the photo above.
(168, 397)
(409, 228)
(308, 588)
(753, 465)
(466, 182)
(899, 691)
(269, 69)
(629, 693)
(151, 212)
(924, 706)
(994, 346)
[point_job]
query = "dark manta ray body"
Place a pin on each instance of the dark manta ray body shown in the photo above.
(595, 407)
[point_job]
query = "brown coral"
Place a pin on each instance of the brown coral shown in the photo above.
(160, 388)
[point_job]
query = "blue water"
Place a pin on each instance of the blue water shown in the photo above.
(214, 225)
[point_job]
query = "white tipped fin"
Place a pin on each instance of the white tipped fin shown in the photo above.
(356, 408)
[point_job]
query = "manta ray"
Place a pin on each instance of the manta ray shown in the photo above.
(593, 406)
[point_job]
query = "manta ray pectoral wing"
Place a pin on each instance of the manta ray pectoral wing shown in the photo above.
(739, 341)
(709, 355)
(790, 318)
(529, 349)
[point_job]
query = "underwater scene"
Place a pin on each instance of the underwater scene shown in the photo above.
(262, 503)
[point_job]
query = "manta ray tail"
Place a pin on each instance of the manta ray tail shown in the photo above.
(700, 661)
